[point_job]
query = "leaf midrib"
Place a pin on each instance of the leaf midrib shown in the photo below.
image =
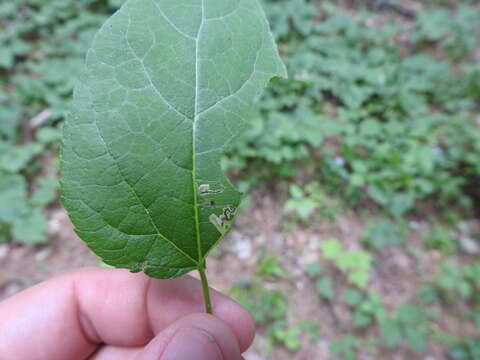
(196, 115)
(193, 172)
(194, 139)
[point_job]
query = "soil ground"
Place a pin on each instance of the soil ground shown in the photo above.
(396, 274)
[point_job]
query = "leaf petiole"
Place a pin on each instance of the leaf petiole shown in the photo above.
(205, 288)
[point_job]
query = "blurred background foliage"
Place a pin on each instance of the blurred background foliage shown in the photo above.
(380, 114)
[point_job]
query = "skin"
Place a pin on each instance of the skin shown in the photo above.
(104, 314)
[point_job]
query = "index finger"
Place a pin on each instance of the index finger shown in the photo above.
(68, 317)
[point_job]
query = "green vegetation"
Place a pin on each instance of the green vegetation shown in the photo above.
(43, 45)
(367, 308)
(466, 350)
(410, 324)
(378, 121)
(381, 233)
(270, 308)
(382, 111)
(311, 203)
(403, 128)
(355, 264)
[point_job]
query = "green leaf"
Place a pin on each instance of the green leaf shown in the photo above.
(48, 134)
(361, 320)
(415, 339)
(25, 223)
(12, 197)
(331, 248)
(382, 233)
(30, 229)
(400, 203)
(4, 233)
(410, 314)
(314, 269)
(325, 288)
(288, 335)
(358, 278)
(8, 126)
(345, 347)
(352, 297)
(16, 158)
(46, 192)
(296, 191)
(166, 87)
(304, 208)
(391, 333)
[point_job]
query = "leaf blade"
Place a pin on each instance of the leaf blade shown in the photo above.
(161, 99)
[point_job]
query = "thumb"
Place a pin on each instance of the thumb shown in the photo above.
(194, 337)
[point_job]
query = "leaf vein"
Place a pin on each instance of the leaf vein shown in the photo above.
(194, 135)
(134, 192)
(147, 74)
(170, 22)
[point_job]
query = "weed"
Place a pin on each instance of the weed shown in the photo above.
(355, 264)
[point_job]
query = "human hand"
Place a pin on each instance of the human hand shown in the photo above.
(101, 314)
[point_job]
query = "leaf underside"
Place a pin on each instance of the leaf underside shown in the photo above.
(167, 85)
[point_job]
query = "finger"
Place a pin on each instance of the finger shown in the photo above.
(69, 316)
(194, 337)
(118, 353)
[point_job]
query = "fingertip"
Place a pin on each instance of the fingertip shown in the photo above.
(196, 336)
(239, 319)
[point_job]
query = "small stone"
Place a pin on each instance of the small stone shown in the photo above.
(243, 249)
(470, 246)
(4, 250)
(417, 225)
(55, 222)
(309, 258)
(339, 161)
(401, 261)
(464, 226)
(470, 226)
(414, 225)
(43, 254)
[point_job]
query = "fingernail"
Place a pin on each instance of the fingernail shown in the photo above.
(192, 344)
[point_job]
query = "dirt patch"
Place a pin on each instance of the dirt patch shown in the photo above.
(396, 274)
